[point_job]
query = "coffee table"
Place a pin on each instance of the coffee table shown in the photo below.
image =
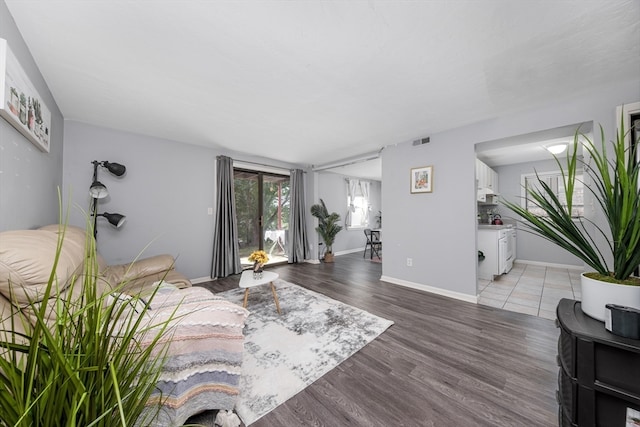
(247, 281)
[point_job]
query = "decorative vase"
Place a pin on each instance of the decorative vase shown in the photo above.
(596, 294)
(328, 257)
(257, 271)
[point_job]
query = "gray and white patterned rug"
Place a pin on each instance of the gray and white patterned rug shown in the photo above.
(286, 353)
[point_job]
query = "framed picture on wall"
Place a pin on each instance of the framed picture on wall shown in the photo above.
(422, 179)
(20, 103)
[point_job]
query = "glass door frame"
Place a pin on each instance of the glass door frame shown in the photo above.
(280, 241)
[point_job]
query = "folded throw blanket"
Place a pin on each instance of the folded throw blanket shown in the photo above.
(204, 354)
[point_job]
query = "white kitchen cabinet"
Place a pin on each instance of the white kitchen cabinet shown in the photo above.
(487, 180)
(481, 174)
(493, 181)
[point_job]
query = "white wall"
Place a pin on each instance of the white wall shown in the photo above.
(165, 194)
(437, 230)
(29, 178)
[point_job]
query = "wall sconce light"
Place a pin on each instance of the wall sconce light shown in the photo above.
(98, 190)
(114, 219)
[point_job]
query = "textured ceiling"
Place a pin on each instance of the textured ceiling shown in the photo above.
(311, 82)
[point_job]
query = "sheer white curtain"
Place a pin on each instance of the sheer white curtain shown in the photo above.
(352, 189)
(364, 189)
(357, 203)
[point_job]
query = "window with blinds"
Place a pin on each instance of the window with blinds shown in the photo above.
(555, 182)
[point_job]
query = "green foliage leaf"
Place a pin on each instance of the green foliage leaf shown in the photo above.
(87, 368)
(328, 226)
(615, 189)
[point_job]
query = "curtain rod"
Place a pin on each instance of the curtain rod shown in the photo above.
(348, 162)
(246, 162)
(359, 179)
(338, 165)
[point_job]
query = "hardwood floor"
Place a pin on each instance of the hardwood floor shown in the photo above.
(443, 363)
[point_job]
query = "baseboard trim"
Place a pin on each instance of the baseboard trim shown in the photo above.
(338, 253)
(550, 264)
(348, 251)
(201, 280)
(431, 289)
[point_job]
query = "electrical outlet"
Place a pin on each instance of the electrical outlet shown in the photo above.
(409, 262)
(209, 211)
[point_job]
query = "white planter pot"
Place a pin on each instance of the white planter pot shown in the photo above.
(597, 294)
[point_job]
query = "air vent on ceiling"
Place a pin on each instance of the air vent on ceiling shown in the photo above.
(421, 141)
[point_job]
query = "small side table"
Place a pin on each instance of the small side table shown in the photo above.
(247, 281)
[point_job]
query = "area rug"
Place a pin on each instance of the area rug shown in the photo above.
(286, 353)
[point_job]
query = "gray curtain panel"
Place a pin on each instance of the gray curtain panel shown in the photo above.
(298, 249)
(226, 253)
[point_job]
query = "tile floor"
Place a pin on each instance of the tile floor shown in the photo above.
(531, 289)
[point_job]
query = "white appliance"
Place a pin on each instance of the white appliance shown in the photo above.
(511, 242)
(503, 251)
(498, 245)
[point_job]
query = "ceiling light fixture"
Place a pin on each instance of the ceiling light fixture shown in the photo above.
(557, 148)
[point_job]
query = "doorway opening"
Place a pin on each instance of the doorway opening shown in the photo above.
(542, 273)
(262, 210)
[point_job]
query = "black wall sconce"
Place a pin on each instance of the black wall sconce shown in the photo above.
(99, 191)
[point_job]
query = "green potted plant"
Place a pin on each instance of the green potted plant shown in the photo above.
(327, 228)
(89, 369)
(613, 183)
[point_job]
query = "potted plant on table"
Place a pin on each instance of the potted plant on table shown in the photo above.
(327, 228)
(615, 189)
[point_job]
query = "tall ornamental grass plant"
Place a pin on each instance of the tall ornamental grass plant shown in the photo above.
(86, 369)
(615, 190)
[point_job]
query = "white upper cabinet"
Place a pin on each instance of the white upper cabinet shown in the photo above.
(487, 180)
(493, 182)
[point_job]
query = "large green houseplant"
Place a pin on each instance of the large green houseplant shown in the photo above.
(327, 228)
(89, 369)
(613, 183)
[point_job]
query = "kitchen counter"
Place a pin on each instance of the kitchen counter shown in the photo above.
(495, 227)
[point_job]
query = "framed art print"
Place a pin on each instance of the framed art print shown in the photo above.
(20, 104)
(422, 179)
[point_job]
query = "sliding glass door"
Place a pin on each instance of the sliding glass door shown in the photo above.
(262, 207)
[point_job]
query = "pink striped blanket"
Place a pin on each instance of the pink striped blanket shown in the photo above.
(204, 354)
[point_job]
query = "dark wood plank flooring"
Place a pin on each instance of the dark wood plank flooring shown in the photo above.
(443, 363)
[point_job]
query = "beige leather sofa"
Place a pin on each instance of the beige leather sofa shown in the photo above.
(211, 325)
(27, 257)
(135, 275)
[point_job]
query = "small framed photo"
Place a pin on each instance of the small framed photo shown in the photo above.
(422, 179)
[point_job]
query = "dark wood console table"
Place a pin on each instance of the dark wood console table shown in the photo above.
(599, 376)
